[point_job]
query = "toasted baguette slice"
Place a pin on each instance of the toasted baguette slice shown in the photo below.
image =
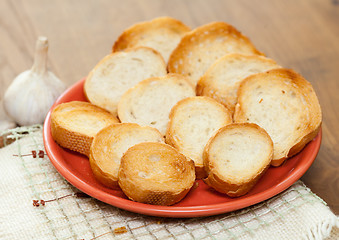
(162, 34)
(221, 81)
(201, 47)
(236, 157)
(155, 173)
(285, 105)
(149, 103)
(111, 143)
(193, 121)
(118, 72)
(74, 124)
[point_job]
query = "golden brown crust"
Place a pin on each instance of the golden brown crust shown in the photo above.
(232, 190)
(161, 176)
(131, 36)
(69, 139)
(103, 177)
(218, 33)
(66, 133)
(218, 181)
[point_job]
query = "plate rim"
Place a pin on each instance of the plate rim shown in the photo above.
(169, 211)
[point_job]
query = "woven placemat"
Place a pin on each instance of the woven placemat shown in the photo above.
(38, 203)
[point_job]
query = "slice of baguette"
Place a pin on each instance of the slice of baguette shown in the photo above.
(193, 121)
(118, 72)
(155, 173)
(162, 34)
(201, 47)
(236, 157)
(285, 105)
(221, 81)
(149, 103)
(111, 143)
(74, 124)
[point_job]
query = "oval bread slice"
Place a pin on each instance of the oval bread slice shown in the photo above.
(118, 72)
(111, 143)
(285, 105)
(193, 121)
(155, 173)
(149, 103)
(236, 157)
(221, 81)
(74, 124)
(162, 34)
(201, 47)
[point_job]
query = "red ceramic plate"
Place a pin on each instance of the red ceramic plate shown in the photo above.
(200, 201)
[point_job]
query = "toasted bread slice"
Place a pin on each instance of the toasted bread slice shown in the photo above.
(149, 103)
(162, 34)
(285, 105)
(193, 121)
(221, 81)
(201, 47)
(111, 143)
(236, 157)
(118, 72)
(155, 173)
(74, 124)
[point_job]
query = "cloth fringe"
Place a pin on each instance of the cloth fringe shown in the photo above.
(322, 230)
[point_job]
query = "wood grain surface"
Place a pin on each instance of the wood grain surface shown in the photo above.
(298, 34)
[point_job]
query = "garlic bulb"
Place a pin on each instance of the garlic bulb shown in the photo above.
(32, 93)
(5, 121)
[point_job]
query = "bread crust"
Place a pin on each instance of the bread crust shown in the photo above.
(151, 34)
(65, 132)
(155, 173)
(311, 118)
(174, 136)
(224, 184)
(110, 144)
(201, 47)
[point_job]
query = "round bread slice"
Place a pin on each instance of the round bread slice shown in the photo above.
(118, 72)
(111, 143)
(201, 47)
(193, 121)
(74, 124)
(155, 173)
(162, 34)
(236, 157)
(149, 103)
(285, 105)
(221, 81)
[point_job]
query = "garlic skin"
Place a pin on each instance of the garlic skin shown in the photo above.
(33, 92)
(5, 121)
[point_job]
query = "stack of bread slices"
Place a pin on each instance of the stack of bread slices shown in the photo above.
(171, 105)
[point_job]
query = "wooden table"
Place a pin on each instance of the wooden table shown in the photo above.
(298, 34)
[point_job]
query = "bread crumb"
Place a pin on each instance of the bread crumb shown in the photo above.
(196, 185)
(120, 230)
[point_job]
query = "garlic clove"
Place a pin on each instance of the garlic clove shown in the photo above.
(32, 93)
